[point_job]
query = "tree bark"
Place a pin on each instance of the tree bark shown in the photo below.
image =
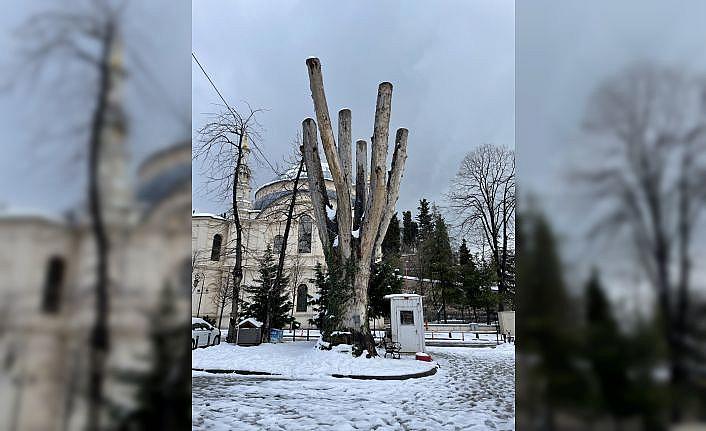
(361, 185)
(393, 185)
(343, 201)
(317, 187)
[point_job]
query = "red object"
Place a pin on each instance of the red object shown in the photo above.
(422, 357)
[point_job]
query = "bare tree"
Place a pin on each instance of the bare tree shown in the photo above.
(482, 197)
(222, 146)
(651, 185)
(277, 288)
(350, 239)
(223, 295)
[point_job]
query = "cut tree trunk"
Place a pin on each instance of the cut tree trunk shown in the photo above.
(373, 207)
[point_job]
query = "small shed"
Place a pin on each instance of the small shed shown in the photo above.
(407, 321)
(249, 332)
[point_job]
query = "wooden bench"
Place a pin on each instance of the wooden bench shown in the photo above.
(392, 348)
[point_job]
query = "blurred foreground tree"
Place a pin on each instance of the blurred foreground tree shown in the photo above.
(650, 186)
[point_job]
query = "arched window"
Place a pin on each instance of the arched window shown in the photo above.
(301, 298)
(54, 280)
(305, 226)
(216, 247)
(277, 244)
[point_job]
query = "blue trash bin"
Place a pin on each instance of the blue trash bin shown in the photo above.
(276, 335)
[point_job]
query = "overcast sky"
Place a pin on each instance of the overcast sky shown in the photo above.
(564, 51)
(452, 67)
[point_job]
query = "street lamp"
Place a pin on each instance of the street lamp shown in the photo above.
(199, 277)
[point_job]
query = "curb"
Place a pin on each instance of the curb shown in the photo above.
(243, 372)
(427, 373)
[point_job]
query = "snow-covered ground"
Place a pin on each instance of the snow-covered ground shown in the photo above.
(473, 390)
(301, 360)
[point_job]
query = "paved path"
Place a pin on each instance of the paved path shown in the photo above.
(474, 389)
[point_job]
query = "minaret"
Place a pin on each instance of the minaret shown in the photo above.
(244, 176)
(113, 170)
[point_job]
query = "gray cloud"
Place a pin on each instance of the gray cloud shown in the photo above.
(452, 67)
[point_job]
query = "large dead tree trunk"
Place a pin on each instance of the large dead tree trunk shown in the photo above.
(359, 234)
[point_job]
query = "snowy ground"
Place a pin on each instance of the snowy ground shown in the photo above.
(474, 389)
(301, 360)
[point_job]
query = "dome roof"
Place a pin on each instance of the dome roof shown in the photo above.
(291, 173)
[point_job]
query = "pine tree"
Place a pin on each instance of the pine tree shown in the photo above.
(329, 303)
(409, 231)
(424, 217)
(548, 326)
(385, 280)
(464, 255)
(391, 243)
(437, 248)
(606, 349)
(269, 306)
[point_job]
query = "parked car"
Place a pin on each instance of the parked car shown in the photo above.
(203, 334)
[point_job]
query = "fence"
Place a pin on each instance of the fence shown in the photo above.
(313, 334)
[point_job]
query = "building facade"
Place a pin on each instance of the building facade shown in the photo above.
(263, 218)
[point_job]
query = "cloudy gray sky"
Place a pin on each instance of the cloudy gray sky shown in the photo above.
(564, 50)
(452, 67)
(46, 174)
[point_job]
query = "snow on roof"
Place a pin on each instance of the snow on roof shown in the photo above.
(197, 214)
(256, 323)
(402, 295)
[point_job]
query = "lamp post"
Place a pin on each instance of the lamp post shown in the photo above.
(199, 277)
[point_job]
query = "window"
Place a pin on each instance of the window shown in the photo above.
(51, 298)
(301, 298)
(216, 247)
(305, 226)
(278, 242)
(406, 317)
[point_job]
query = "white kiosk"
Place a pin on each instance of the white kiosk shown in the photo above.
(407, 321)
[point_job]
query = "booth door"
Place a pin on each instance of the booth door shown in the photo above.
(408, 335)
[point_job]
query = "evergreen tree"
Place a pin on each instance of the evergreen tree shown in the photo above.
(464, 255)
(391, 243)
(424, 217)
(548, 325)
(329, 303)
(437, 248)
(385, 280)
(605, 350)
(409, 234)
(267, 304)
